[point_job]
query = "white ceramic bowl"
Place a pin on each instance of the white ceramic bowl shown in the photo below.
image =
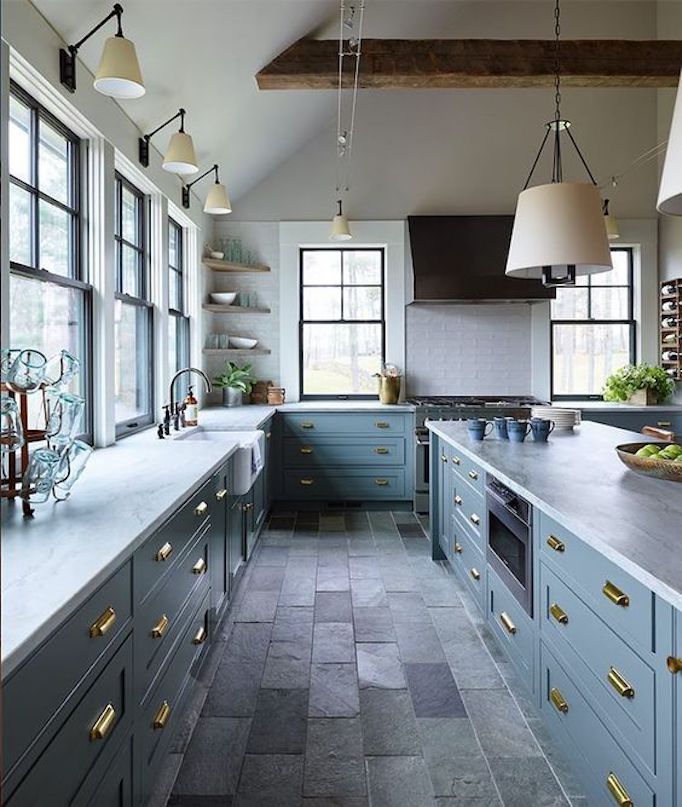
(223, 297)
(242, 343)
(217, 255)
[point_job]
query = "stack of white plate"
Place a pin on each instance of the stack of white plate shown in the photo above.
(565, 419)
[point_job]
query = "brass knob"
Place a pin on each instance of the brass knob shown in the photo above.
(382, 483)
(164, 552)
(558, 700)
(509, 626)
(620, 684)
(458, 548)
(475, 574)
(103, 623)
(199, 567)
(200, 636)
(103, 724)
(456, 460)
(613, 593)
(381, 450)
(475, 519)
(619, 793)
(305, 450)
(162, 715)
(220, 495)
(674, 664)
(161, 627)
(558, 613)
(201, 509)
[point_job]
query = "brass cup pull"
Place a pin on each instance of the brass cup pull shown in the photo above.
(558, 613)
(558, 700)
(381, 424)
(161, 717)
(199, 567)
(619, 793)
(458, 500)
(509, 626)
(381, 450)
(443, 458)
(473, 475)
(613, 593)
(620, 684)
(103, 623)
(554, 543)
(305, 450)
(201, 509)
(475, 519)
(674, 664)
(103, 724)
(165, 551)
(220, 495)
(307, 425)
(475, 574)
(308, 482)
(161, 627)
(381, 482)
(456, 460)
(200, 636)
(458, 548)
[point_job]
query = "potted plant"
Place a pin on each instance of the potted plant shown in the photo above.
(639, 384)
(235, 382)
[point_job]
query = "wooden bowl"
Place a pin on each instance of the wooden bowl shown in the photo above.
(660, 469)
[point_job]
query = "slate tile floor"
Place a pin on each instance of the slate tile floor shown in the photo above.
(355, 672)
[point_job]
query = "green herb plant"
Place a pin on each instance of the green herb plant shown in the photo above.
(235, 377)
(629, 379)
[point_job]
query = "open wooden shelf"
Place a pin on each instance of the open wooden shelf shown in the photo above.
(227, 266)
(673, 366)
(233, 351)
(233, 309)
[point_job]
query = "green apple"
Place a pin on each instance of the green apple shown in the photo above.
(648, 451)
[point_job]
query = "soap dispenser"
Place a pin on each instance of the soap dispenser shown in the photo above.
(191, 409)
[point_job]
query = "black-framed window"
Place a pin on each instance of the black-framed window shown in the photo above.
(133, 349)
(178, 321)
(50, 298)
(593, 329)
(342, 329)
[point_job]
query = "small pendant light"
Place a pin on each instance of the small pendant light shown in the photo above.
(670, 193)
(610, 222)
(217, 201)
(340, 229)
(179, 157)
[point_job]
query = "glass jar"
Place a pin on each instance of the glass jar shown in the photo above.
(7, 358)
(61, 369)
(27, 372)
(72, 463)
(12, 431)
(41, 474)
(65, 417)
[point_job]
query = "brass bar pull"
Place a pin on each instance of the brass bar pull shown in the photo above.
(664, 423)
(458, 548)
(456, 460)
(475, 519)
(305, 450)
(674, 664)
(201, 509)
(475, 574)
(614, 594)
(381, 482)
(554, 543)
(307, 482)
(220, 495)
(307, 425)
(103, 623)
(103, 723)
(558, 613)
(620, 684)
(473, 475)
(199, 567)
(443, 458)
(161, 627)
(558, 700)
(458, 499)
(619, 793)
(381, 450)
(164, 552)
(200, 636)
(381, 424)
(161, 717)
(508, 624)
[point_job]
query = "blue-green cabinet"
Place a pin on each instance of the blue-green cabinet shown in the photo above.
(635, 421)
(674, 666)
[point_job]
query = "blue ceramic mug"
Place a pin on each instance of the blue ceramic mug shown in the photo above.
(478, 428)
(518, 430)
(541, 429)
(501, 428)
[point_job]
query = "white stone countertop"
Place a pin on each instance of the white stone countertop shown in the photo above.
(611, 406)
(577, 479)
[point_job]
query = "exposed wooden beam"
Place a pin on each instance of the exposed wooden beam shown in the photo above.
(312, 64)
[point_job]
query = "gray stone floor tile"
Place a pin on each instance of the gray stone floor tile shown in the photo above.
(297, 592)
(335, 801)
(200, 801)
(280, 722)
(368, 592)
(275, 780)
(272, 556)
(332, 523)
(333, 606)
(334, 763)
(333, 691)
(332, 578)
(398, 782)
(433, 691)
(441, 594)
(293, 624)
(361, 547)
(418, 643)
(373, 625)
(527, 781)
(248, 642)
(499, 724)
(333, 641)
(364, 567)
(408, 607)
(379, 666)
(183, 732)
(399, 580)
(234, 689)
(266, 578)
(258, 606)
(389, 727)
(287, 666)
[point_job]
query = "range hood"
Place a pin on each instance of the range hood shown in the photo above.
(463, 258)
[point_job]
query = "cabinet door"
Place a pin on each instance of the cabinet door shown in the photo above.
(235, 532)
(678, 705)
(220, 572)
(444, 498)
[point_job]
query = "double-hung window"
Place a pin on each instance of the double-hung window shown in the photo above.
(133, 360)
(50, 298)
(342, 324)
(178, 321)
(593, 329)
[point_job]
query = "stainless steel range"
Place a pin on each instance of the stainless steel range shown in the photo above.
(455, 407)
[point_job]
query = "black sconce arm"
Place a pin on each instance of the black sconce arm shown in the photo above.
(67, 57)
(186, 188)
(143, 142)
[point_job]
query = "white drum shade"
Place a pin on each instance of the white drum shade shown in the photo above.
(670, 192)
(559, 224)
(217, 201)
(118, 74)
(340, 229)
(180, 157)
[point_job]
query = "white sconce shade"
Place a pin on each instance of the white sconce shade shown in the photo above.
(670, 192)
(217, 201)
(560, 224)
(180, 157)
(340, 229)
(118, 74)
(610, 222)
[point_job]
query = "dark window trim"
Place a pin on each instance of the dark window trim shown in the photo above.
(141, 248)
(145, 420)
(180, 268)
(631, 323)
(301, 321)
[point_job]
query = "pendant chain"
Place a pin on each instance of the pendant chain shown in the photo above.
(557, 62)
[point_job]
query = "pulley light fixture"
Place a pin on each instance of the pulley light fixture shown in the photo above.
(217, 201)
(559, 230)
(179, 157)
(670, 192)
(610, 222)
(118, 74)
(340, 229)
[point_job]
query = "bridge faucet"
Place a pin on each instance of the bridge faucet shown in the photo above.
(171, 390)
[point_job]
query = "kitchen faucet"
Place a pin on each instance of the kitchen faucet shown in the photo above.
(171, 393)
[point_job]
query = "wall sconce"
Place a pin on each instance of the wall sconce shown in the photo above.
(179, 157)
(217, 201)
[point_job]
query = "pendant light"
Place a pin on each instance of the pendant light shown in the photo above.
(610, 222)
(340, 229)
(559, 230)
(670, 193)
(118, 74)
(217, 201)
(179, 157)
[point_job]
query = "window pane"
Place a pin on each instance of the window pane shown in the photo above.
(175, 290)
(321, 267)
(619, 276)
(132, 361)
(322, 303)
(54, 239)
(571, 303)
(361, 267)
(173, 256)
(362, 302)
(341, 359)
(130, 262)
(610, 303)
(53, 163)
(129, 216)
(19, 140)
(584, 355)
(172, 344)
(20, 225)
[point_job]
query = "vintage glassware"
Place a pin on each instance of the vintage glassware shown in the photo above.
(72, 463)
(41, 474)
(7, 358)
(27, 372)
(12, 432)
(62, 368)
(65, 416)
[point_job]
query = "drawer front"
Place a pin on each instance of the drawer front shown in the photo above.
(466, 469)
(32, 699)
(361, 483)
(469, 561)
(512, 626)
(154, 560)
(600, 583)
(300, 453)
(115, 788)
(379, 424)
(469, 506)
(619, 682)
(90, 736)
(568, 712)
(159, 620)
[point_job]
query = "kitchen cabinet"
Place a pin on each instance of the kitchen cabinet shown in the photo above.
(220, 562)
(674, 665)
(444, 498)
(235, 531)
(635, 421)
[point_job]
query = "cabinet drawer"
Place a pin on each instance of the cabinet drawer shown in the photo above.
(352, 483)
(353, 423)
(301, 453)
(158, 621)
(607, 666)
(115, 788)
(33, 699)
(469, 506)
(469, 561)
(465, 468)
(154, 560)
(90, 736)
(569, 713)
(512, 626)
(600, 583)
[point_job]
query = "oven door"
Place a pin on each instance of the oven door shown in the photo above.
(509, 551)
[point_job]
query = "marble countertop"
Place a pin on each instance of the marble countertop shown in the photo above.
(611, 406)
(577, 478)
